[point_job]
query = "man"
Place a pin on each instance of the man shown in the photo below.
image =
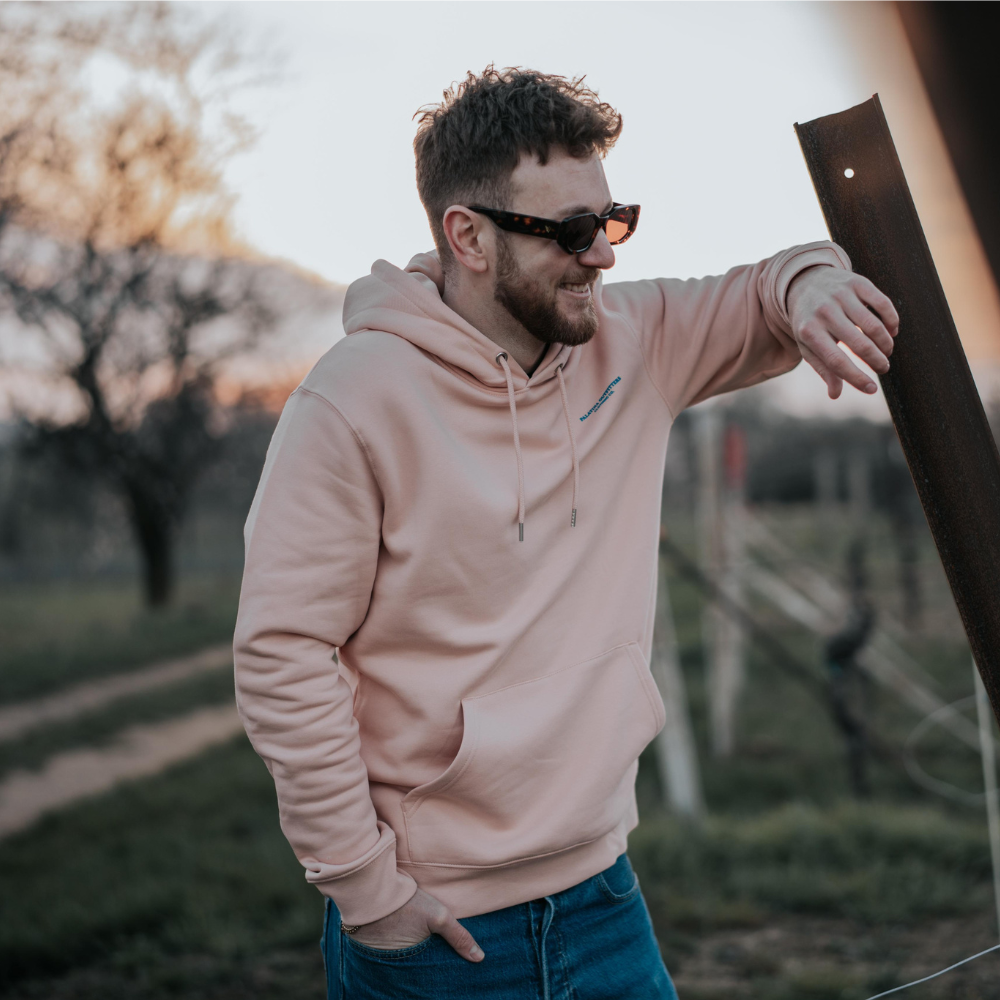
(462, 500)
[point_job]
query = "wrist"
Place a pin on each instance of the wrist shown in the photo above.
(796, 285)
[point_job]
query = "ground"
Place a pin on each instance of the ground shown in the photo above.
(182, 884)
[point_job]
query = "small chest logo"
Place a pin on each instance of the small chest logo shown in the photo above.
(605, 396)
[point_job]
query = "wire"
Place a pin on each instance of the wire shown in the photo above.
(920, 776)
(917, 982)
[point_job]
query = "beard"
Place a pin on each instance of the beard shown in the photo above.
(536, 308)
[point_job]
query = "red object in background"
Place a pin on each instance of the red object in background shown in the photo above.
(734, 457)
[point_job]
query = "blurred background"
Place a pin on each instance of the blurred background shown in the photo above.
(185, 192)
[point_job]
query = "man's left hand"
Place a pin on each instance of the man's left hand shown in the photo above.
(829, 307)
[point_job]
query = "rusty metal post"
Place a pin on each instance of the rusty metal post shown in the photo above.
(932, 397)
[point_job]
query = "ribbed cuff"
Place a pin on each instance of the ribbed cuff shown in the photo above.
(797, 260)
(371, 888)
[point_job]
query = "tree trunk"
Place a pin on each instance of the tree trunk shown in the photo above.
(154, 530)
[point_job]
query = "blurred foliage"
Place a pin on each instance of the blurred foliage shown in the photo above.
(191, 863)
(52, 635)
(870, 863)
(116, 259)
(184, 886)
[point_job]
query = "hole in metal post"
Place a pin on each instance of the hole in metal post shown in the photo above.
(849, 172)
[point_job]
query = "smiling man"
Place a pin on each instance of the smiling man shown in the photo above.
(462, 500)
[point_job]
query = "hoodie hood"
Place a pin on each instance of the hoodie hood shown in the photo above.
(408, 303)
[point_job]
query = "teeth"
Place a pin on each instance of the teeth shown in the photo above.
(576, 288)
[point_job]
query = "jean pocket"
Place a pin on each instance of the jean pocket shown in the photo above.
(619, 883)
(386, 954)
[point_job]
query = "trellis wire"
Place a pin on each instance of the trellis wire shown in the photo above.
(917, 982)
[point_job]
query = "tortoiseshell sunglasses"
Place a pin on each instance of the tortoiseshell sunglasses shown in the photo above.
(575, 234)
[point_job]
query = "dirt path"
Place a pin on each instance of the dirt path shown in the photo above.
(140, 751)
(17, 719)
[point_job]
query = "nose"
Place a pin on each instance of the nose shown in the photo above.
(599, 255)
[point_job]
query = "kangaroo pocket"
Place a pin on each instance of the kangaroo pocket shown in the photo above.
(544, 765)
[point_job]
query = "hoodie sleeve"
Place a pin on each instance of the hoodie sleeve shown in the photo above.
(706, 336)
(312, 543)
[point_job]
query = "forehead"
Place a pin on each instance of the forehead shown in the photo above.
(563, 186)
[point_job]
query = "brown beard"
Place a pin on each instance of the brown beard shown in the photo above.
(537, 310)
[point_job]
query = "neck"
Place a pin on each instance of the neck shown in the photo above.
(477, 306)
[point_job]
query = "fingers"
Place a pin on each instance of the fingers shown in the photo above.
(862, 345)
(456, 935)
(871, 326)
(834, 308)
(881, 303)
(821, 345)
(834, 385)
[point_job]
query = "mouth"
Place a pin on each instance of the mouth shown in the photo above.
(576, 289)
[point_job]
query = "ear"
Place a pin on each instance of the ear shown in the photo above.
(469, 236)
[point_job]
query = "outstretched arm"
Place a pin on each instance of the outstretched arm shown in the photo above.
(706, 336)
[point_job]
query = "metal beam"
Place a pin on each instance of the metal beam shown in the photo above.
(932, 397)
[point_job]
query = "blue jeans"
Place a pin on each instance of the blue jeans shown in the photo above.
(591, 942)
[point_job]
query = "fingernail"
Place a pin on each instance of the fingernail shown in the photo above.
(476, 954)
(870, 388)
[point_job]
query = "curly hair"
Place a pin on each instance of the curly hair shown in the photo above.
(468, 146)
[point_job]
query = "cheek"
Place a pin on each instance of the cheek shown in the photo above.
(545, 263)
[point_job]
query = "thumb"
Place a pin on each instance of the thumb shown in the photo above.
(458, 937)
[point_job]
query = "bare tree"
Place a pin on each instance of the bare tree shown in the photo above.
(128, 329)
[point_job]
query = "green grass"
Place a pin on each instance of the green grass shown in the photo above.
(184, 886)
(52, 635)
(101, 727)
(170, 885)
(868, 863)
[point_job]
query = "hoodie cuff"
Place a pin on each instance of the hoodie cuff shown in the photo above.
(792, 263)
(372, 888)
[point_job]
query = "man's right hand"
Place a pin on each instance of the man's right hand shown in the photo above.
(415, 921)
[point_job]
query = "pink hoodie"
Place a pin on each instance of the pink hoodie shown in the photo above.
(481, 733)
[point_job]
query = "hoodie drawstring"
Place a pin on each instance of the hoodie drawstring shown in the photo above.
(502, 361)
(572, 444)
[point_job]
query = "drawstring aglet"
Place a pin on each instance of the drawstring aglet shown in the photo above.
(520, 531)
(572, 519)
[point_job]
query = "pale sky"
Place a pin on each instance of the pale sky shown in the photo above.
(708, 90)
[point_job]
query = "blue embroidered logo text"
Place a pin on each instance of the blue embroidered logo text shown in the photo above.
(605, 396)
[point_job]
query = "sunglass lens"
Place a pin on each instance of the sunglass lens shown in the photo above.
(579, 232)
(620, 225)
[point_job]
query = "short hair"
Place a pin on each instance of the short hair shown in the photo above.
(468, 146)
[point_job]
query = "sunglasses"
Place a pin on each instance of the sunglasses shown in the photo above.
(575, 234)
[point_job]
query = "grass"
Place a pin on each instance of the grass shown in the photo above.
(165, 887)
(183, 885)
(55, 634)
(869, 863)
(101, 727)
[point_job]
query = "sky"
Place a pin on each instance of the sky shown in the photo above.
(709, 92)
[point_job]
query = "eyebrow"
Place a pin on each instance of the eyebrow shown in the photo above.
(584, 209)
